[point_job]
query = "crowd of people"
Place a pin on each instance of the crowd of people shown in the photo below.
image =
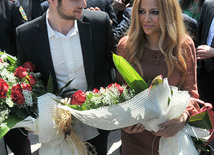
(75, 38)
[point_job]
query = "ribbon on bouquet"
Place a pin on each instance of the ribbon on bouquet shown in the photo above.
(51, 129)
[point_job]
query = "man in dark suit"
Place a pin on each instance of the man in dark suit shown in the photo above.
(70, 42)
(11, 16)
(205, 52)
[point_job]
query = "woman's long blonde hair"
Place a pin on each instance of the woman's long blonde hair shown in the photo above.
(172, 32)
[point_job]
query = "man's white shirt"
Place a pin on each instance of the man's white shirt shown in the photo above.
(66, 53)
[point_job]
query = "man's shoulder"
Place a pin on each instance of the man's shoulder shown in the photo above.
(91, 15)
(208, 3)
(30, 25)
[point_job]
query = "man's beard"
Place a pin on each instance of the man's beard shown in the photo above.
(64, 16)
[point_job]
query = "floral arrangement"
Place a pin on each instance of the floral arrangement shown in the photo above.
(111, 95)
(86, 103)
(19, 89)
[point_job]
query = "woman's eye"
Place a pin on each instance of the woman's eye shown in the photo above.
(155, 12)
(141, 11)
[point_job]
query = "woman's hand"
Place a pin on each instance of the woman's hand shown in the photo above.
(134, 129)
(171, 127)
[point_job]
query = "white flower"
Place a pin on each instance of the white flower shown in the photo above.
(9, 102)
(28, 97)
(5, 73)
(4, 57)
(3, 65)
(11, 78)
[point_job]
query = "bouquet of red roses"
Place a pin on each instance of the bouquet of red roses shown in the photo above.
(111, 95)
(19, 89)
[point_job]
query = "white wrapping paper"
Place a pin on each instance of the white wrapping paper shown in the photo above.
(149, 108)
(53, 141)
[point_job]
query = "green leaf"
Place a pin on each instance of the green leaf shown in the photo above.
(129, 74)
(12, 60)
(9, 123)
(66, 85)
(200, 120)
(50, 84)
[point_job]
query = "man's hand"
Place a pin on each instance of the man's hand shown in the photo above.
(204, 52)
(96, 8)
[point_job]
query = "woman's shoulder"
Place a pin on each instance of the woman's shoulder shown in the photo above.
(189, 47)
(188, 42)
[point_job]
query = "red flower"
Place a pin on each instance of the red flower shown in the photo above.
(119, 87)
(1, 60)
(16, 87)
(96, 91)
(26, 87)
(29, 66)
(16, 95)
(32, 80)
(20, 72)
(3, 88)
(79, 98)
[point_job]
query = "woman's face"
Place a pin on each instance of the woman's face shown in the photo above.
(149, 17)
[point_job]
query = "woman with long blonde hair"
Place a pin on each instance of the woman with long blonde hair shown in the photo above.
(157, 44)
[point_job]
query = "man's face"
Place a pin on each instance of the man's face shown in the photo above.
(71, 9)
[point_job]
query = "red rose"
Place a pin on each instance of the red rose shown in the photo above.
(16, 95)
(26, 86)
(20, 72)
(96, 91)
(3, 88)
(29, 66)
(16, 87)
(32, 80)
(79, 98)
(119, 87)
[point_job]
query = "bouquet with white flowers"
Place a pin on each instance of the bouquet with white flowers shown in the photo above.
(19, 88)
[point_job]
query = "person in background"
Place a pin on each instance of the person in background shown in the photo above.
(32, 8)
(106, 6)
(11, 16)
(205, 52)
(192, 8)
(120, 6)
(69, 42)
(122, 27)
(192, 27)
(153, 49)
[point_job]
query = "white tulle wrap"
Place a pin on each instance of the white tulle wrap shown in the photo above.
(149, 108)
(53, 141)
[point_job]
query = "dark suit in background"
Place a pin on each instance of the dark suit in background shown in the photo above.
(11, 16)
(192, 27)
(206, 70)
(106, 6)
(97, 42)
